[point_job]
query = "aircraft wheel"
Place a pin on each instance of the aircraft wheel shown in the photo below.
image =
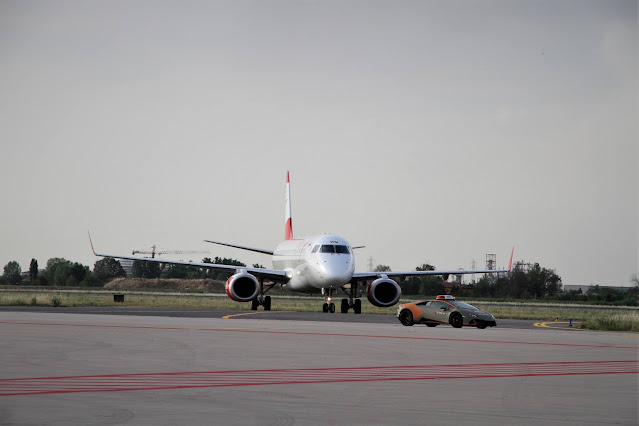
(325, 307)
(358, 306)
(267, 303)
(331, 308)
(406, 317)
(254, 304)
(456, 320)
(344, 307)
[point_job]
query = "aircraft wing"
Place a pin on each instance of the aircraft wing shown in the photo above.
(362, 276)
(275, 275)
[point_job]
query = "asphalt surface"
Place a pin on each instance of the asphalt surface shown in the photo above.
(140, 367)
(234, 314)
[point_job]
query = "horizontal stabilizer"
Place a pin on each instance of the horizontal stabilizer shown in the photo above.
(241, 247)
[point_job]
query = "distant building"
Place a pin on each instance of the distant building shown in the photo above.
(586, 288)
(127, 265)
(467, 288)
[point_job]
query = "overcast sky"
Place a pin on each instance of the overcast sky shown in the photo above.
(429, 131)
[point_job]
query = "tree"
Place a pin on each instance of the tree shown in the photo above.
(13, 272)
(483, 288)
(223, 276)
(382, 268)
(108, 268)
(176, 271)
(33, 270)
(430, 284)
(61, 274)
(543, 282)
(142, 269)
(78, 272)
(91, 281)
(52, 267)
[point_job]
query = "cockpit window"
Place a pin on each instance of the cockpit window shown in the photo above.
(327, 249)
(315, 248)
(341, 249)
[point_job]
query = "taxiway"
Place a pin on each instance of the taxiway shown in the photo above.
(64, 368)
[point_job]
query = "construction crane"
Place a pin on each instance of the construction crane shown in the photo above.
(153, 252)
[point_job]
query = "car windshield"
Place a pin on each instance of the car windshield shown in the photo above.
(465, 306)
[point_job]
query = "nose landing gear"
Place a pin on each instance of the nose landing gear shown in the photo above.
(329, 306)
(351, 303)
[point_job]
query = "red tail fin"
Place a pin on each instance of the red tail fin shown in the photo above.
(288, 230)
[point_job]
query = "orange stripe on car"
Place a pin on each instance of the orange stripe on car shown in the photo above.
(415, 310)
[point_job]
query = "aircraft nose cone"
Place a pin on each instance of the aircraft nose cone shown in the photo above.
(336, 272)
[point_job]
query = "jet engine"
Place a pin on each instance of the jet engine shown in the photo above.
(242, 287)
(383, 292)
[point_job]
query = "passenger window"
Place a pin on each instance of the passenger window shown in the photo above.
(341, 249)
(327, 249)
(315, 248)
(439, 305)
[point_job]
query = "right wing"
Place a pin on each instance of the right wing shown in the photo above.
(364, 276)
(275, 275)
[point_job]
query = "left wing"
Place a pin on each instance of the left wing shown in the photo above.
(361, 276)
(275, 275)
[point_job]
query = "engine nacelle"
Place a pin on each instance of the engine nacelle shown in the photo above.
(383, 292)
(242, 287)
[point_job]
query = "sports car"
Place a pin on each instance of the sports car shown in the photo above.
(444, 310)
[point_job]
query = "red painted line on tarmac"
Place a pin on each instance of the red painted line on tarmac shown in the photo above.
(301, 333)
(213, 379)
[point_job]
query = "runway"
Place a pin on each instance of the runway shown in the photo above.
(78, 368)
(235, 314)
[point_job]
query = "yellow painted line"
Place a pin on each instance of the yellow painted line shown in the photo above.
(545, 325)
(239, 315)
(250, 313)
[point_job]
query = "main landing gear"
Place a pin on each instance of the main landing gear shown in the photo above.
(262, 300)
(350, 303)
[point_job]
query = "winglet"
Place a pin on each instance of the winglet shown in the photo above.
(510, 263)
(91, 242)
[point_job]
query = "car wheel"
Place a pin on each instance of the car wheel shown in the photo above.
(406, 317)
(456, 320)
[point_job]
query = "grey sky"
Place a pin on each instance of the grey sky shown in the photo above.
(429, 131)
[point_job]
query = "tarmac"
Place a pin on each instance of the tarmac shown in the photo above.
(84, 368)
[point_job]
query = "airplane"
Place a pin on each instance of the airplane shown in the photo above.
(322, 263)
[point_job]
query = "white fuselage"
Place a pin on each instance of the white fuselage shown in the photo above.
(324, 261)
